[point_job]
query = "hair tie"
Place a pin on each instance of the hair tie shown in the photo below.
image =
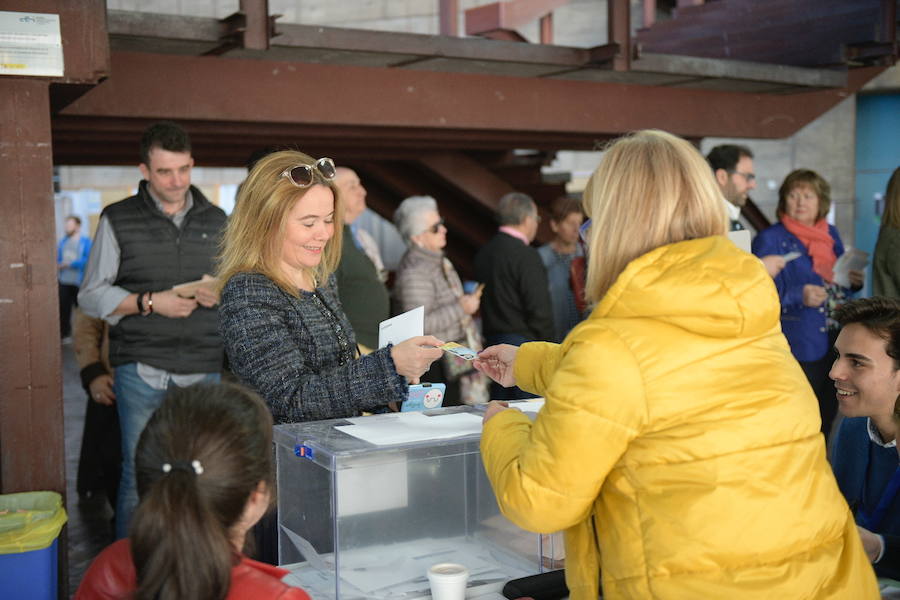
(192, 466)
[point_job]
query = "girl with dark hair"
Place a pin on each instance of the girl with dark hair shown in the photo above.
(205, 477)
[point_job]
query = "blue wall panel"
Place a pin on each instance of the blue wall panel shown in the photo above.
(877, 155)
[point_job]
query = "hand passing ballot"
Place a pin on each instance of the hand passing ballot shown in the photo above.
(497, 363)
(414, 356)
(459, 350)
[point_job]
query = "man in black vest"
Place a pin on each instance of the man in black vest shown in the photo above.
(165, 235)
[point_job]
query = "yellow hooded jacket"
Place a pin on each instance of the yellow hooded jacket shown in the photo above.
(679, 445)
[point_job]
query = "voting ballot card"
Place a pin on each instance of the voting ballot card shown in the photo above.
(459, 350)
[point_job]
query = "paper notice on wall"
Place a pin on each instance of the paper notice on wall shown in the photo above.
(30, 44)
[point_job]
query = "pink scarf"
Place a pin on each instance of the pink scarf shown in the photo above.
(818, 242)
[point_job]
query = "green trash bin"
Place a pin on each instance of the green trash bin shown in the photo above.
(30, 523)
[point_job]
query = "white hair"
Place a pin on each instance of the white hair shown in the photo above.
(409, 216)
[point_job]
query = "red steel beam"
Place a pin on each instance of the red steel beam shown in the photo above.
(256, 35)
(437, 104)
(546, 29)
(649, 13)
(468, 176)
(888, 33)
(31, 408)
(449, 17)
(400, 180)
(619, 32)
(511, 14)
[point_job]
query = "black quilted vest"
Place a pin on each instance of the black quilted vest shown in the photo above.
(155, 255)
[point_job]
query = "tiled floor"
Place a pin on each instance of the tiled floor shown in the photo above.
(89, 529)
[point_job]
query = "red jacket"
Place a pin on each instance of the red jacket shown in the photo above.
(112, 577)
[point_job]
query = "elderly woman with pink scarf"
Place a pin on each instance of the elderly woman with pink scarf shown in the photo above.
(806, 284)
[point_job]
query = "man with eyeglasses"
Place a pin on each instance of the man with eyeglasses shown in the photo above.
(166, 234)
(361, 275)
(732, 166)
(515, 304)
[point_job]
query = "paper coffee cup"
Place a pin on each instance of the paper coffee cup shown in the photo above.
(448, 581)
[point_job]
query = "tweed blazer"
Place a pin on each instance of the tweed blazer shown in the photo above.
(299, 353)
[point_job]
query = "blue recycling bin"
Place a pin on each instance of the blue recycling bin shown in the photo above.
(30, 523)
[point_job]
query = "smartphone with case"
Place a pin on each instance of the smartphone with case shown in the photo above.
(424, 396)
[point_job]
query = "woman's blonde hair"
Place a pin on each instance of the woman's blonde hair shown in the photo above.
(651, 189)
(891, 215)
(256, 229)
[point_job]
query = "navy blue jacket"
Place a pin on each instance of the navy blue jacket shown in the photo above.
(803, 326)
(863, 470)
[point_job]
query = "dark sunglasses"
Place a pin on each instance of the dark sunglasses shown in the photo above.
(304, 176)
(436, 227)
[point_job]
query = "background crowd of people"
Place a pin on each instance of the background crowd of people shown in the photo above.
(666, 361)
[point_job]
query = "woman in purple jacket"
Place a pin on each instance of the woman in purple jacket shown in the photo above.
(806, 284)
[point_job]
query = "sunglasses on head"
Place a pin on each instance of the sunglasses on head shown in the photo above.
(304, 176)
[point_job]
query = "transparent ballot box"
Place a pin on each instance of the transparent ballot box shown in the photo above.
(364, 520)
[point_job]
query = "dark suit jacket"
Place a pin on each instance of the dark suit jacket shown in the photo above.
(516, 298)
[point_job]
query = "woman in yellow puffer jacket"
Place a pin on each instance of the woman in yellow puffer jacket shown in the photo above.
(679, 445)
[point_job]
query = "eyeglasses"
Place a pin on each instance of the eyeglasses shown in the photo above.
(436, 227)
(303, 176)
(802, 194)
(748, 177)
(584, 230)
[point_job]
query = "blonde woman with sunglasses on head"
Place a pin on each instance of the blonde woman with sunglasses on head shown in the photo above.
(679, 445)
(285, 333)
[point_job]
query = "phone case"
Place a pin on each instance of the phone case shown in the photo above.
(424, 396)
